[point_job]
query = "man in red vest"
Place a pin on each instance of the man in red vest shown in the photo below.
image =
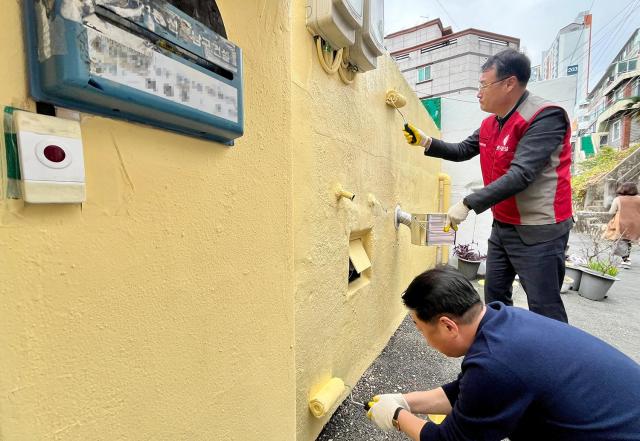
(525, 157)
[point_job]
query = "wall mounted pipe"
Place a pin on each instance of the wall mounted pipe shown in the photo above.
(444, 199)
(342, 193)
(427, 229)
(444, 187)
(401, 217)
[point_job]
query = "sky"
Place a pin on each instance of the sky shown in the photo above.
(535, 22)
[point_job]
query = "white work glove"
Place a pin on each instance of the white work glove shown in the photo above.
(383, 407)
(415, 136)
(456, 215)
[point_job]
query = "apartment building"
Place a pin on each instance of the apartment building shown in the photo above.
(569, 55)
(614, 103)
(438, 62)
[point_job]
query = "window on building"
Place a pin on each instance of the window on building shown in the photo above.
(492, 41)
(615, 131)
(402, 57)
(619, 94)
(627, 66)
(424, 73)
(603, 140)
(636, 91)
(424, 50)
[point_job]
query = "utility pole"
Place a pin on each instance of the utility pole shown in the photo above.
(587, 22)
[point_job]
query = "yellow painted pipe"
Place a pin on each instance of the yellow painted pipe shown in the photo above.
(444, 198)
(444, 180)
(342, 193)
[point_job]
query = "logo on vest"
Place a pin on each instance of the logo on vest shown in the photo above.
(502, 148)
(505, 140)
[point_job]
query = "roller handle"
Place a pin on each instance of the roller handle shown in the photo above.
(413, 135)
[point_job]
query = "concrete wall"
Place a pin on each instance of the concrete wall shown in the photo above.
(161, 308)
(347, 134)
(201, 291)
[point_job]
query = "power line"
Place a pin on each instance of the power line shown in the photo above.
(447, 12)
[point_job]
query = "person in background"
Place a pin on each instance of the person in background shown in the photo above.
(625, 226)
(523, 376)
(525, 157)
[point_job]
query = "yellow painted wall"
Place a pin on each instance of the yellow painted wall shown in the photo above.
(161, 309)
(200, 293)
(347, 134)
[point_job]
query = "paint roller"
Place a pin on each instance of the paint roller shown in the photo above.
(327, 397)
(396, 100)
(329, 394)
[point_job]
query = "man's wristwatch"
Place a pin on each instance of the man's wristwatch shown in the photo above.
(394, 421)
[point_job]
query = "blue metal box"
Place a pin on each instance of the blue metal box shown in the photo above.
(139, 60)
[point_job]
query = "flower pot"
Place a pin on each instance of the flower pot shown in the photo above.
(468, 268)
(594, 285)
(566, 284)
(576, 274)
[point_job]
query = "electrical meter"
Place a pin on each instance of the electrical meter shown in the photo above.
(140, 60)
(336, 21)
(369, 43)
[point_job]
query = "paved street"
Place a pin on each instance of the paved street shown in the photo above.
(407, 364)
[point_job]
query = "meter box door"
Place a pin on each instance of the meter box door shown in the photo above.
(369, 44)
(140, 60)
(336, 21)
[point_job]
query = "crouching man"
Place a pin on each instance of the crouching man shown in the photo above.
(523, 376)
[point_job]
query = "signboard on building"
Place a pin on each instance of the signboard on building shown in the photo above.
(572, 70)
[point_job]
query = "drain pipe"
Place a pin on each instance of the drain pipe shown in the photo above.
(444, 198)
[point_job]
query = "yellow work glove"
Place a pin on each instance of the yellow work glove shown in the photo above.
(415, 136)
(383, 407)
(456, 215)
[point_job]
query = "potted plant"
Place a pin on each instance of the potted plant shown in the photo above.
(597, 278)
(574, 273)
(601, 268)
(468, 260)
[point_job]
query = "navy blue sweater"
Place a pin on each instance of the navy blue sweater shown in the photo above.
(528, 377)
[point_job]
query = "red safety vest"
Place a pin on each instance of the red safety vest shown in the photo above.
(547, 200)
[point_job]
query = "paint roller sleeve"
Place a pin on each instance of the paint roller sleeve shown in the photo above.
(323, 400)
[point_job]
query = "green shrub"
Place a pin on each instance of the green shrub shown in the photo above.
(603, 267)
(592, 169)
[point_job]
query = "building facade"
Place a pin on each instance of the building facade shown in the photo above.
(569, 55)
(614, 103)
(438, 62)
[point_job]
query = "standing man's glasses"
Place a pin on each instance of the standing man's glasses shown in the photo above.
(484, 86)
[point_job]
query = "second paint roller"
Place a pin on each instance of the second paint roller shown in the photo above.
(396, 100)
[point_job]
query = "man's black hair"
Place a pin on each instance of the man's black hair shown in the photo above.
(442, 290)
(510, 62)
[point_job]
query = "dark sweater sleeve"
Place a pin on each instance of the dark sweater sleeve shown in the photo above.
(543, 137)
(490, 403)
(451, 390)
(452, 151)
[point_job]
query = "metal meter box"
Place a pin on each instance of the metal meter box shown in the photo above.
(369, 44)
(336, 21)
(140, 60)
